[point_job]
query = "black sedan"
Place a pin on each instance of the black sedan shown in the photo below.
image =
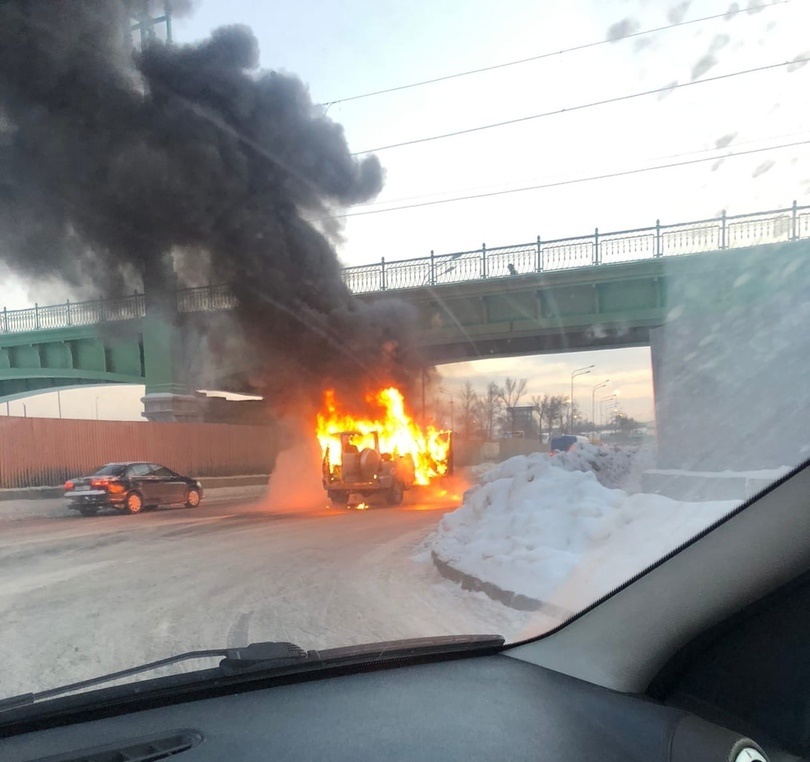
(131, 487)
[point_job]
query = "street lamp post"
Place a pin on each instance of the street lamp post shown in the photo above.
(602, 408)
(593, 402)
(577, 372)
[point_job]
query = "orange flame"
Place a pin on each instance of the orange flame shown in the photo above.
(398, 433)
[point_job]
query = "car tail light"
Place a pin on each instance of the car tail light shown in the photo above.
(111, 485)
(68, 485)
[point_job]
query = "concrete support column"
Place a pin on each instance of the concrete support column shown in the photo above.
(731, 369)
(172, 408)
(168, 395)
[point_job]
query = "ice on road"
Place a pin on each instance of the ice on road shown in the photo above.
(81, 597)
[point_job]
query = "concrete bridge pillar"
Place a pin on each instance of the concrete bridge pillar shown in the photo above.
(168, 394)
(731, 367)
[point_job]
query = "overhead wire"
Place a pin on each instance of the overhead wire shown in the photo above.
(730, 13)
(583, 106)
(680, 154)
(575, 181)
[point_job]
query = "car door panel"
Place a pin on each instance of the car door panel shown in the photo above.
(171, 486)
(139, 475)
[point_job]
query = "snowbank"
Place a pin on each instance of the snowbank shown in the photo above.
(545, 527)
(613, 465)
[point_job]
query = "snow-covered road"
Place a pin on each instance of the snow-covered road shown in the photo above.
(85, 596)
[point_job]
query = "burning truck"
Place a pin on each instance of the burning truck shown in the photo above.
(381, 456)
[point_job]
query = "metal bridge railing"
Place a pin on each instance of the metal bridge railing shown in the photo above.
(206, 299)
(699, 236)
(72, 313)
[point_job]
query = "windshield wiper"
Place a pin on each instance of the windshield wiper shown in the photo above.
(270, 654)
(278, 656)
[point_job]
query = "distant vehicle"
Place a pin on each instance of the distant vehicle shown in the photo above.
(131, 487)
(566, 442)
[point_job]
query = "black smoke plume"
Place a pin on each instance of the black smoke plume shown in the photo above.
(115, 163)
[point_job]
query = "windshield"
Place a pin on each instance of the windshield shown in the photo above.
(423, 319)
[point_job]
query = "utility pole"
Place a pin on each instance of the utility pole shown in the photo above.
(59, 401)
(141, 20)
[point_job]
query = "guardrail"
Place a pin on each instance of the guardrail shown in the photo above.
(715, 234)
(700, 236)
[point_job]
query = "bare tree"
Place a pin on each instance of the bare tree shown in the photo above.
(512, 391)
(510, 394)
(565, 411)
(552, 409)
(489, 407)
(540, 405)
(469, 406)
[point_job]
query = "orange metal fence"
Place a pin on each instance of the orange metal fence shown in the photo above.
(46, 451)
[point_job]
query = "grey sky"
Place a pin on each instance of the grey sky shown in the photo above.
(357, 46)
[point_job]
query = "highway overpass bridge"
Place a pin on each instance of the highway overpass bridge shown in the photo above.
(590, 292)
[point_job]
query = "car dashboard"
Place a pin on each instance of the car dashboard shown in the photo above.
(485, 707)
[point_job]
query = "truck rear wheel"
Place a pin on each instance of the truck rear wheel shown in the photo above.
(339, 498)
(395, 494)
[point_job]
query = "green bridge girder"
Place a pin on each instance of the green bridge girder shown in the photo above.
(40, 361)
(606, 306)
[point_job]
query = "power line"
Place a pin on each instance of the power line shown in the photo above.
(726, 14)
(666, 157)
(559, 183)
(583, 106)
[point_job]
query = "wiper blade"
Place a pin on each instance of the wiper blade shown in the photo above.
(270, 654)
(273, 657)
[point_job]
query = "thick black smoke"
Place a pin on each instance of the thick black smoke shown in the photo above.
(111, 161)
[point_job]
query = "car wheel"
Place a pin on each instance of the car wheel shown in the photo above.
(193, 498)
(88, 511)
(338, 498)
(395, 494)
(134, 503)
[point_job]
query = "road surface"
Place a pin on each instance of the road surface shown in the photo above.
(85, 596)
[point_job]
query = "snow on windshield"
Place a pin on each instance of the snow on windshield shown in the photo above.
(229, 239)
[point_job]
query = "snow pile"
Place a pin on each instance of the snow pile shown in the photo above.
(614, 466)
(546, 528)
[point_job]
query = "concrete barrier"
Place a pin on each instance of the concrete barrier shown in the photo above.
(513, 600)
(699, 486)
